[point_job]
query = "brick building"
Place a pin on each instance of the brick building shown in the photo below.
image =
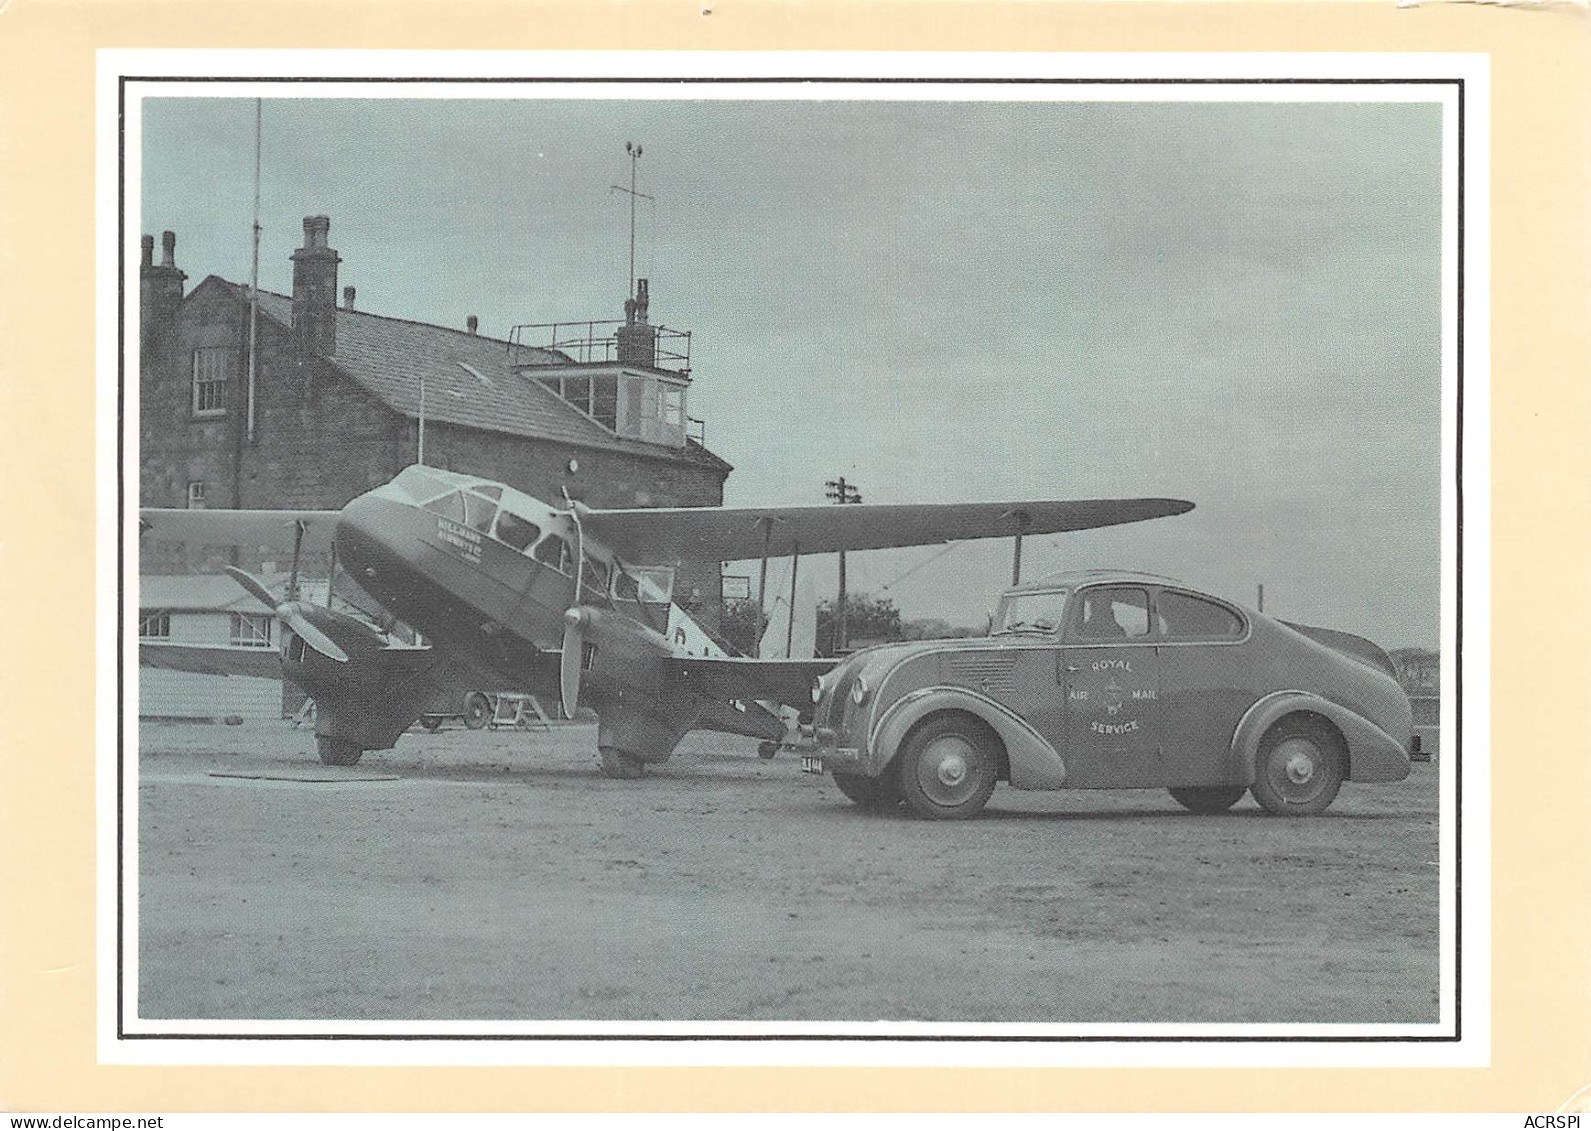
(337, 397)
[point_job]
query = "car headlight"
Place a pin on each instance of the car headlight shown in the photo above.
(859, 691)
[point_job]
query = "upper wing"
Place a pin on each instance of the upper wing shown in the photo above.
(733, 534)
(740, 677)
(276, 530)
(210, 659)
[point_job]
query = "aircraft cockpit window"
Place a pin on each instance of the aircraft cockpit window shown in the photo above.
(490, 490)
(520, 533)
(553, 551)
(420, 485)
(450, 506)
(624, 586)
(478, 512)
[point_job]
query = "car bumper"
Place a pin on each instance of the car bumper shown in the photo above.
(831, 759)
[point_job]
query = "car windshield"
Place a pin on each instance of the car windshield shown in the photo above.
(1030, 612)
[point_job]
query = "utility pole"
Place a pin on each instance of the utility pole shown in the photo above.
(254, 272)
(634, 151)
(420, 455)
(841, 492)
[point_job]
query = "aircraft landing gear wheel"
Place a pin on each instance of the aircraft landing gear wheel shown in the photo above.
(1207, 799)
(618, 764)
(948, 768)
(766, 750)
(1298, 770)
(431, 722)
(336, 751)
(477, 710)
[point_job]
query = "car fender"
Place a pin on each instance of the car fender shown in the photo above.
(1035, 764)
(1373, 754)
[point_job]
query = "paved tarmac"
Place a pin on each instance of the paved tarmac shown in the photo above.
(492, 874)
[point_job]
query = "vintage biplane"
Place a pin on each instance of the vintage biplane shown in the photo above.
(568, 602)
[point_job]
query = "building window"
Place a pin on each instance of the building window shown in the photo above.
(154, 624)
(196, 495)
(211, 369)
(251, 630)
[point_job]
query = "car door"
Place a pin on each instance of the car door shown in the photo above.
(1207, 682)
(1108, 670)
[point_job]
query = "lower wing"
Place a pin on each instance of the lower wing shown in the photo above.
(745, 679)
(210, 659)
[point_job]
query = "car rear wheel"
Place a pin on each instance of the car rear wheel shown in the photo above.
(1207, 799)
(1298, 770)
(948, 768)
(336, 751)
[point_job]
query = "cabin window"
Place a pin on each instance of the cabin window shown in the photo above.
(418, 485)
(1106, 614)
(154, 624)
(212, 369)
(450, 506)
(520, 533)
(653, 585)
(251, 630)
(1182, 617)
(553, 551)
(196, 495)
(478, 512)
(596, 577)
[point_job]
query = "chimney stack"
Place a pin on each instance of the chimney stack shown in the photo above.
(315, 289)
(637, 339)
(473, 323)
(159, 295)
(348, 298)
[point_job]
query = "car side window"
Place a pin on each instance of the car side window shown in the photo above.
(1181, 617)
(1109, 613)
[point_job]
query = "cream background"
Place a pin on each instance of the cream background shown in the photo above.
(47, 996)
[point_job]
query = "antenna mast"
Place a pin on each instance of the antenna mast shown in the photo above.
(634, 152)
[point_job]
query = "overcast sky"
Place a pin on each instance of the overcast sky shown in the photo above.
(1236, 304)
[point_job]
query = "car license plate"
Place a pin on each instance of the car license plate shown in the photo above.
(811, 764)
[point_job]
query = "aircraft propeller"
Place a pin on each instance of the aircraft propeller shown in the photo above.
(569, 662)
(291, 615)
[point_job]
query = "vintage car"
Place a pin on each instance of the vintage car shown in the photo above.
(1113, 680)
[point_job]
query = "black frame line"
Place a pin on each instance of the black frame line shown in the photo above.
(121, 490)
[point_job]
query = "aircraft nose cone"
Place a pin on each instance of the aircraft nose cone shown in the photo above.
(363, 530)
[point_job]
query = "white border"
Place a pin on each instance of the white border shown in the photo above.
(1245, 1049)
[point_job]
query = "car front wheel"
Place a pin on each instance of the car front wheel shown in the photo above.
(1207, 799)
(948, 768)
(878, 794)
(1298, 770)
